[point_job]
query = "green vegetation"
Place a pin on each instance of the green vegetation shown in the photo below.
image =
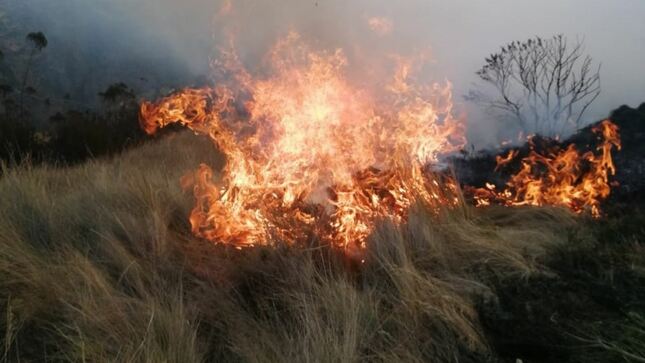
(97, 263)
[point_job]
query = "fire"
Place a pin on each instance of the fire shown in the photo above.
(578, 181)
(312, 153)
(315, 154)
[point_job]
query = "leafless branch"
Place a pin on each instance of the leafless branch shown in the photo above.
(547, 81)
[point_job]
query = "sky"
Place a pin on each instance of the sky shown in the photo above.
(170, 42)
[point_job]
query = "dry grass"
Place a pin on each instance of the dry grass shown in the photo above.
(97, 264)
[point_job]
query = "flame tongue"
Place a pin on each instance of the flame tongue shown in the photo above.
(565, 178)
(310, 153)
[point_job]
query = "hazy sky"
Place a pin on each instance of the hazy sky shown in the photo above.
(460, 33)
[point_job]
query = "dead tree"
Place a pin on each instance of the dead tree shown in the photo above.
(545, 84)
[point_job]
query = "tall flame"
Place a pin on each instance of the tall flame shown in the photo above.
(310, 153)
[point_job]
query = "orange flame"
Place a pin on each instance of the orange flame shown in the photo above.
(565, 178)
(311, 154)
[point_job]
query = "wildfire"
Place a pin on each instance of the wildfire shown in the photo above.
(315, 154)
(312, 153)
(578, 181)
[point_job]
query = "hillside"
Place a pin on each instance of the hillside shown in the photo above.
(97, 263)
(629, 180)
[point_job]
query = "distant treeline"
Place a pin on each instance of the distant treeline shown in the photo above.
(35, 126)
(71, 136)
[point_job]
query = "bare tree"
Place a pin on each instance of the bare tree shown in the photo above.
(545, 84)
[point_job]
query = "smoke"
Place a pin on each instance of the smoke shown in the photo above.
(170, 43)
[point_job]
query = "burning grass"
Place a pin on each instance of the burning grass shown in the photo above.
(97, 263)
(356, 247)
(565, 177)
(311, 152)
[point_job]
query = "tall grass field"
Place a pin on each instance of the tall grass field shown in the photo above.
(98, 264)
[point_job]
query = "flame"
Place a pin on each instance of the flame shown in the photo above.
(314, 154)
(504, 160)
(578, 181)
(310, 152)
